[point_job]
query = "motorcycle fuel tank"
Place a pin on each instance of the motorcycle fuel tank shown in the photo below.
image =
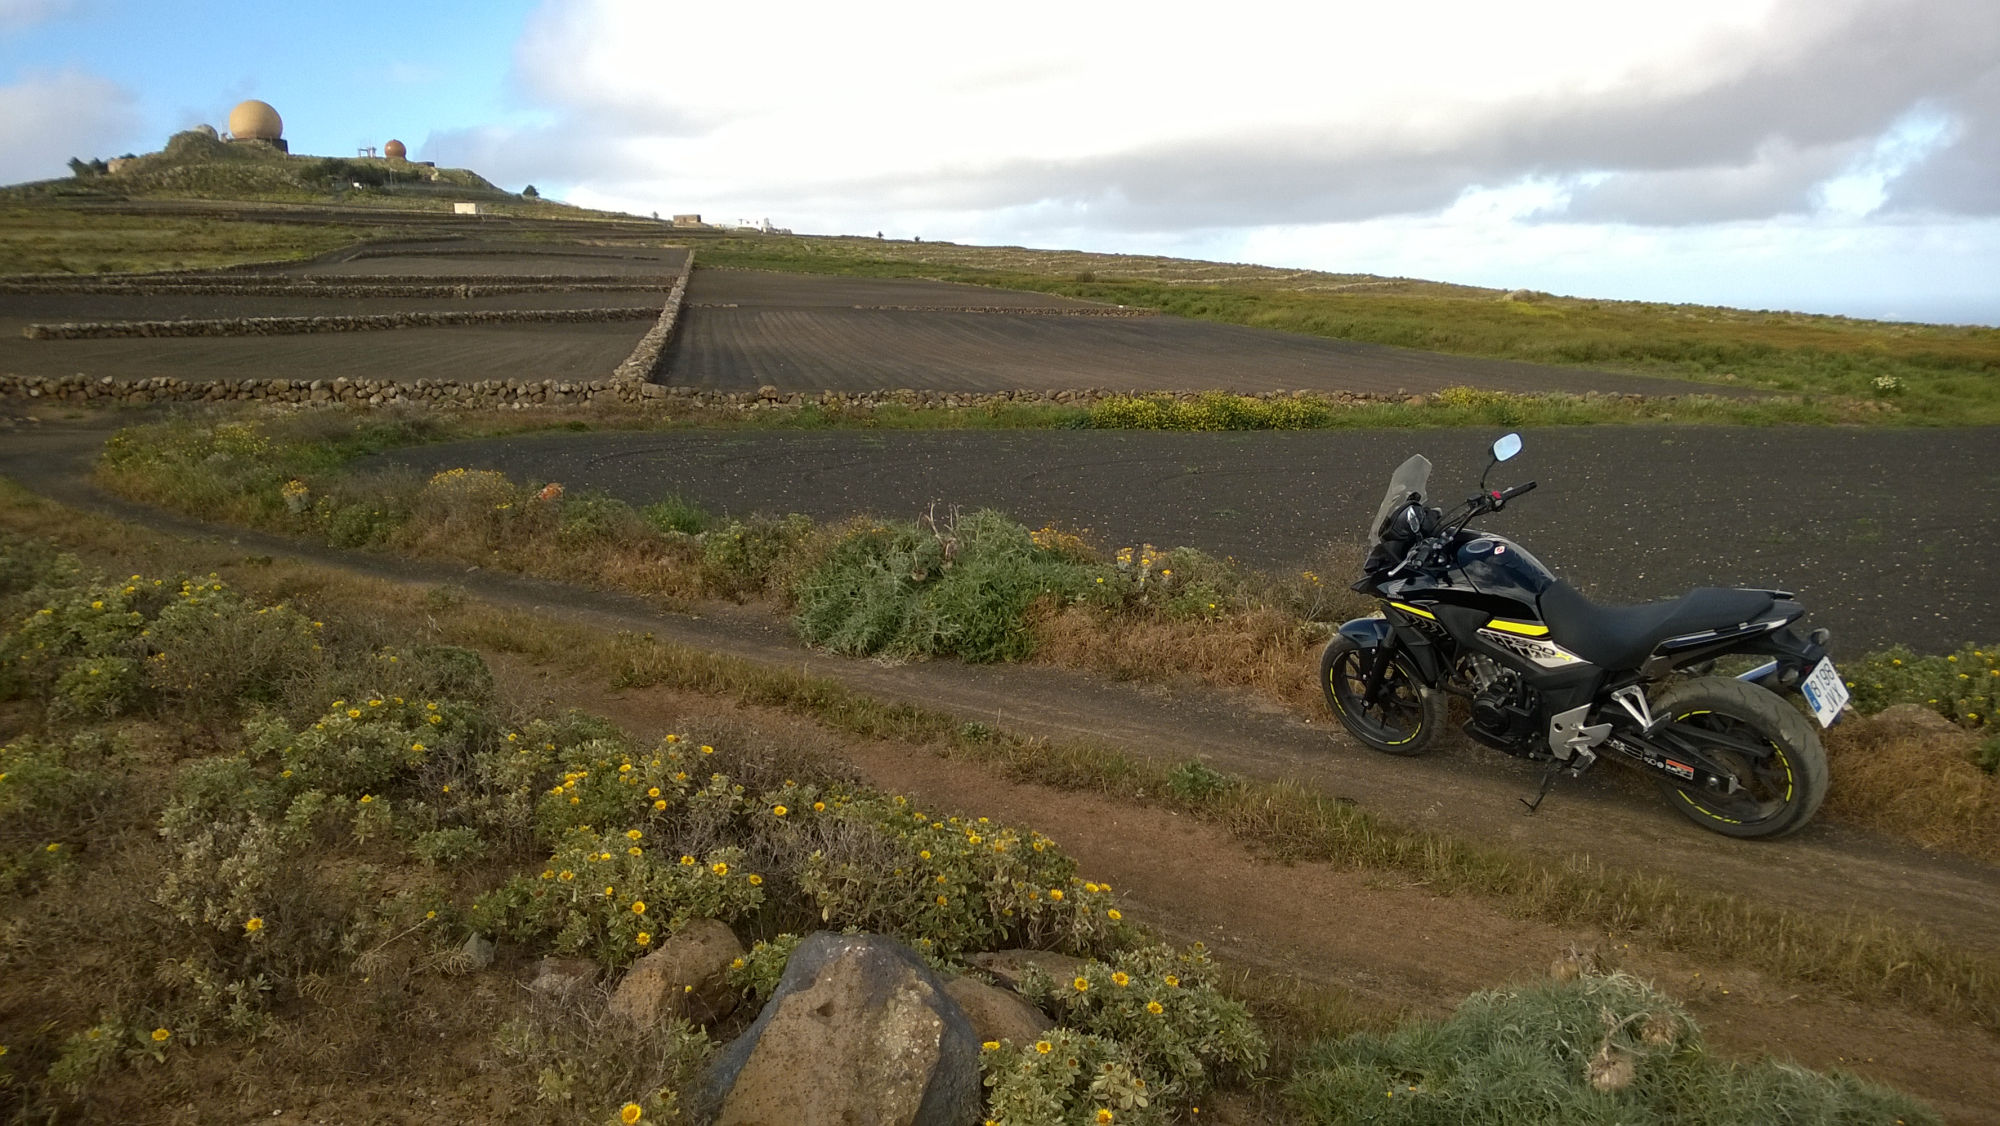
(1500, 569)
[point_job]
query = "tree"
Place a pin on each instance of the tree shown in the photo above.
(530, 192)
(79, 167)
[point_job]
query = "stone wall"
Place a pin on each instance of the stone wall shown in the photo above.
(643, 366)
(488, 393)
(293, 326)
(301, 287)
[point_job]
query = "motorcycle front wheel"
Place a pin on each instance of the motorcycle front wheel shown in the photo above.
(1404, 717)
(1761, 738)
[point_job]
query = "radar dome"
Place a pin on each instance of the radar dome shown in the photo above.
(255, 121)
(394, 150)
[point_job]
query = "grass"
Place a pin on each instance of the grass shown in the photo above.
(1864, 959)
(71, 240)
(980, 589)
(1941, 375)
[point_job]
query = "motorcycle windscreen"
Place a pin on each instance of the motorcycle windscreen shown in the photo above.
(1411, 477)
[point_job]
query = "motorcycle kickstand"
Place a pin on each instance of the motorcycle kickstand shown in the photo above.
(1548, 783)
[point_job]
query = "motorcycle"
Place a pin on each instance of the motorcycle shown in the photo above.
(1551, 677)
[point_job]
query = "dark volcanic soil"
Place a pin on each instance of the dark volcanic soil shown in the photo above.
(1878, 530)
(804, 333)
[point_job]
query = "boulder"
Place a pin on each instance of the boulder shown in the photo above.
(858, 1030)
(688, 976)
(558, 978)
(1007, 966)
(995, 1013)
(1915, 715)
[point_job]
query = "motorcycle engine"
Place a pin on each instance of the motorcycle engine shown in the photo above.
(1500, 704)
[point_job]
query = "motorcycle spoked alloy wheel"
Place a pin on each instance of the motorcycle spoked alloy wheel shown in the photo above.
(1403, 719)
(1781, 790)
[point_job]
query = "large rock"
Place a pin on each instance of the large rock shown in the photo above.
(995, 1013)
(1916, 716)
(859, 1030)
(688, 976)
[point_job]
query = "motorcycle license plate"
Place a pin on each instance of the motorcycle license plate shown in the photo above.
(1825, 694)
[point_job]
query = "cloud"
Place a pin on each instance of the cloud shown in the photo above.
(16, 15)
(45, 119)
(1658, 113)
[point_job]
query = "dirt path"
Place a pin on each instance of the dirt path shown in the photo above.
(1306, 920)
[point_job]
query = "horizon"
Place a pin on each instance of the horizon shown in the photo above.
(1773, 155)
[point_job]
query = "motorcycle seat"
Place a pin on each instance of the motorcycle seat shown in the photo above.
(1621, 637)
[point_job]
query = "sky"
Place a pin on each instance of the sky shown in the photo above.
(1831, 156)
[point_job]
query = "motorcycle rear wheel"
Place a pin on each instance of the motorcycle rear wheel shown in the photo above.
(1404, 718)
(1782, 792)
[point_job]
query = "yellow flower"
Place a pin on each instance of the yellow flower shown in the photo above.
(1056, 894)
(654, 792)
(707, 750)
(990, 1046)
(435, 718)
(635, 850)
(1120, 980)
(567, 875)
(1103, 1115)
(1153, 1007)
(253, 924)
(629, 1114)
(756, 880)
(1172, 981)
(779, 810)
(687, 861)
(719, 868)
(1081, 985)
(924, 855)
(354, 713)
(1044, 1047)
(1113, 915)
(608, 890)
(160, 1035)
(633, 834)
(820, 806)
(367, 798)
(661, 804)
(417, 747)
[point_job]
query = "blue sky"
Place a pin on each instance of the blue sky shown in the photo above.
(1837, 156)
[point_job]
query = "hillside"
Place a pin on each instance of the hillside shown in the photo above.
(197, 165)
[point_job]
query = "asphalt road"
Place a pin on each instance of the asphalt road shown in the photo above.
(1885, 534)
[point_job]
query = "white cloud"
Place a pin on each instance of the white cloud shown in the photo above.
(18, 14)
(47, 118)
(1516, 144)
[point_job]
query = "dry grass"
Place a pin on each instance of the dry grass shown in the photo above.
(1263, 650)
(1914, 781)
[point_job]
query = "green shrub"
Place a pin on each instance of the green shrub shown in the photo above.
(1071, 1077)
(1160, 1004)
(589, 519)
(213, 650)
(676, 513)
(50, 792)
(758, 972)
(1963, 686)
(741, 557)
(1213, 410)
(945, 886)
(963, 589)
(1596, 1049)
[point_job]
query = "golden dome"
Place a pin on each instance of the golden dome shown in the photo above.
(394, 150)
(256, 121)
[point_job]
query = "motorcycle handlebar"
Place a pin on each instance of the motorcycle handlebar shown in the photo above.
(1517, 490)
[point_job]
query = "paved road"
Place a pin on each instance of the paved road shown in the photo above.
(1886, 534)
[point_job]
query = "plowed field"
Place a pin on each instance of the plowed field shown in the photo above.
(806, 333)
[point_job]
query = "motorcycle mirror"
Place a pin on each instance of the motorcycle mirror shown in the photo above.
(1506, 447)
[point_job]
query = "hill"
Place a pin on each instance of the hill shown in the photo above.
(198, 165)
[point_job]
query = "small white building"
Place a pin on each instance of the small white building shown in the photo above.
(465, 209)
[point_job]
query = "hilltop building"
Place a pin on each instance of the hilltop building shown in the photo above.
(255, 121)
(396, 150)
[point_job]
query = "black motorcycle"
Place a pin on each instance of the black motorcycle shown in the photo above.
(1549, 676)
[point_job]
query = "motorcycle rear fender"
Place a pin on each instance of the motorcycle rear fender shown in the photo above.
(1793, 655)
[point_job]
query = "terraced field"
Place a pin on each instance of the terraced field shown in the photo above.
(801, 332)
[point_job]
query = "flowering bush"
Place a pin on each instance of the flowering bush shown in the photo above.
(1070, 1077)
(49, 792)
(1963, 686)
(1161, 1005)
(947, 886)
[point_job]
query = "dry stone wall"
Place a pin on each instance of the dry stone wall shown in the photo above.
(643, 365)
(515, 393)
(305, 287)
(294, 326)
